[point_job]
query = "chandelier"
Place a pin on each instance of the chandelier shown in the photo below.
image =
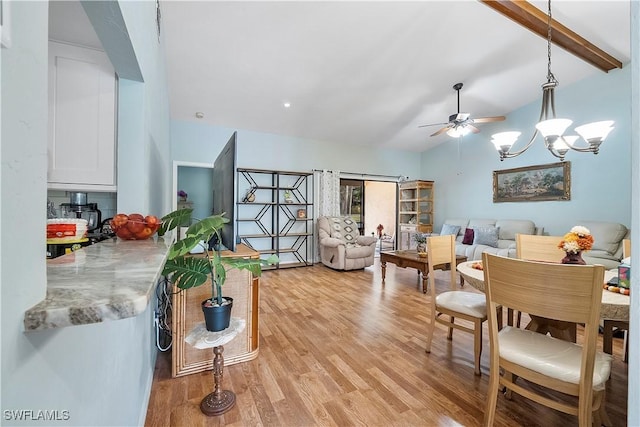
(552, 128)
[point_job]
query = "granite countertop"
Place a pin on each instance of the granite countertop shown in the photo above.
(110, 280)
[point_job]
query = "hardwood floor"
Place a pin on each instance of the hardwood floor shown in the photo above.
(341, 349)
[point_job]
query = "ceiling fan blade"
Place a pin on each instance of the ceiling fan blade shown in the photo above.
(473, 128)
(433, 124)
(488, 119)
(443, 130)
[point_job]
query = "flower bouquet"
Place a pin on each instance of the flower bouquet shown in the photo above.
(578, 239)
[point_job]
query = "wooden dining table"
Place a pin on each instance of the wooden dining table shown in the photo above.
(615, 306)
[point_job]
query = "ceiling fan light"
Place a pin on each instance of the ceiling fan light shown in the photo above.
(458, 131)
(596, 131)
(553, 127)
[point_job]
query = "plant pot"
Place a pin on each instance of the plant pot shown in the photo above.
(217, 318)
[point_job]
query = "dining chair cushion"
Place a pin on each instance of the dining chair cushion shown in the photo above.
(550, 356)
(468, 303)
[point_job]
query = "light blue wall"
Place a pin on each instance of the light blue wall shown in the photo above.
(633, 400)
(144, 184)
(600, 184)
(100, 373)
(195, 142)
(196, 182)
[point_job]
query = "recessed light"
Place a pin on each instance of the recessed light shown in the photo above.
(286, 104)
(199, 115)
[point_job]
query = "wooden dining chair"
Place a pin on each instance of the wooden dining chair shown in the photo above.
(570, 293)
(468, 306)
(538, 248)
(620, 325)
(626, 248)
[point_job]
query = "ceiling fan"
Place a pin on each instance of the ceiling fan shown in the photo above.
(460, 124)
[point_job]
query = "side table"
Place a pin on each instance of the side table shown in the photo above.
(220, 401)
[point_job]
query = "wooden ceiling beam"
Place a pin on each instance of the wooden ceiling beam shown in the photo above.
(529, 16)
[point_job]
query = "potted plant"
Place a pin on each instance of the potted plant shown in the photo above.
(421, 243)
(188, 271)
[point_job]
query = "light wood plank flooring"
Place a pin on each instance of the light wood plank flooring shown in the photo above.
(341, 349)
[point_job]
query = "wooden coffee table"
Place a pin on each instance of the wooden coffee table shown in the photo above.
(407, 258)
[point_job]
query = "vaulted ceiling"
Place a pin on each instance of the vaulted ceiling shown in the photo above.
(367, 72)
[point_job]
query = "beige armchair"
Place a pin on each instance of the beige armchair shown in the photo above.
(341, 245)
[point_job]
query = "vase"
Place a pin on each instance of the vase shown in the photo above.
(574, 258)
(421, 247)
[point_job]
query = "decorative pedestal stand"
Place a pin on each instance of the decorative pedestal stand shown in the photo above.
(220, 401)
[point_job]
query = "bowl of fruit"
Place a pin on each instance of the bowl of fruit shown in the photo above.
(135, 226)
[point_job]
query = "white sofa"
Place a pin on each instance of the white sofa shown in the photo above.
(607, 236)
(504, 245)
(607, 242)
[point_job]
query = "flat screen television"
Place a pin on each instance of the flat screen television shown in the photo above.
(224, 192)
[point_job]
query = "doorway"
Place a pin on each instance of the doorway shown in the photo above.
(195, 180)
(370, 204)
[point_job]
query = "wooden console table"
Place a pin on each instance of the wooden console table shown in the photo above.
(411, 259)
(243, 288)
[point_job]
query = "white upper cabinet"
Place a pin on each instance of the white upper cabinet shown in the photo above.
(82, 119)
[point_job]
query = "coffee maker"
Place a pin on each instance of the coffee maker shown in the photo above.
(79, 208)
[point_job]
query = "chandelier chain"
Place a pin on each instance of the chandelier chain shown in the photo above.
(550, 76)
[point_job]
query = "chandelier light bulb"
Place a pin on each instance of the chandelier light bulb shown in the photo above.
(565, 142)
(503, 141)
(553, 127)
(596, 131)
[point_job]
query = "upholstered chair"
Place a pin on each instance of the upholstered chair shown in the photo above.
(341, 245)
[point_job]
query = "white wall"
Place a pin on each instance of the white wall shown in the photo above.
(600, 184)
(101, 374)
(197, 142)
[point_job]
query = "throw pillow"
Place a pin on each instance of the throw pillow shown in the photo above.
(486, 236)
(449, 229)
(344, 228)
(468, 237)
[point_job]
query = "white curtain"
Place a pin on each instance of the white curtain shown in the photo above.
(329, 200)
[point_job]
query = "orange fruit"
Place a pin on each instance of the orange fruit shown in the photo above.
(136, 223)
(151, 220)
(119, 220)
(145, 233)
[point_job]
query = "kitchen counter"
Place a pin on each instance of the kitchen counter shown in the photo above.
(110, 280)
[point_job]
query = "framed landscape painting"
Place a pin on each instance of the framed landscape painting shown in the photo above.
(533, 183)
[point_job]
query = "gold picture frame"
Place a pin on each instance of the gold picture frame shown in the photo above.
(533, 183)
